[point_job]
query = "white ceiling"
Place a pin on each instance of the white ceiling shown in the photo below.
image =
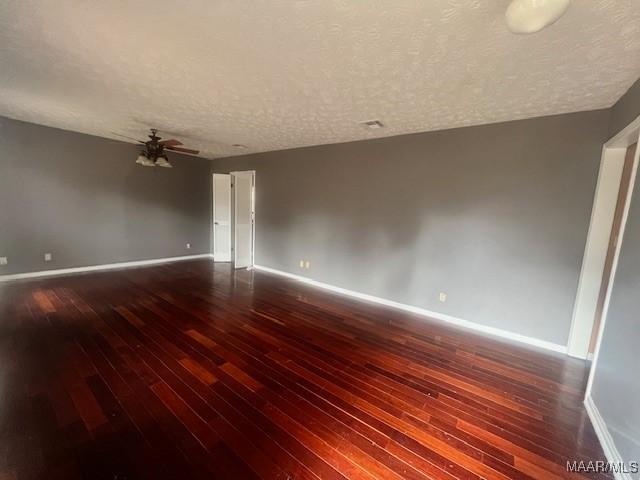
(280, 74)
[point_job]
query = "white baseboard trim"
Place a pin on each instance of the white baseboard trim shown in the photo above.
(604, 437)
(95, 268)
(497, 332)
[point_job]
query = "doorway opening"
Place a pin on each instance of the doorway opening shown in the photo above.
(614, 236)
(233, 234)
(616, 178)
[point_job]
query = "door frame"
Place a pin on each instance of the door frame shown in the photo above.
(598, 239)
(213, 214)
(253, 216)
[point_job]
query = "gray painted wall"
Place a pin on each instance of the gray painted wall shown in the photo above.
(616, 387)
(496, 216)
(626, 110)
(83, 199)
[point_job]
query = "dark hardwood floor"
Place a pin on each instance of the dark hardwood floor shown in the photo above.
(189, 370)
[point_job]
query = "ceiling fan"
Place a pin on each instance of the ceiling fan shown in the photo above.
(153, 154)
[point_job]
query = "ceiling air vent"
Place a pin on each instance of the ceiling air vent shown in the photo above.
(373, 124)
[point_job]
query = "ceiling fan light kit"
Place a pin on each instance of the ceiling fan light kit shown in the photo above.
(144, 160)
(163, 161)
(530, 16)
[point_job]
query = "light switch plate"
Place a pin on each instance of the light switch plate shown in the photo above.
(3, 260)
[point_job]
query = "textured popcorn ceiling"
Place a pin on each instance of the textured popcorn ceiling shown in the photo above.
(279, 74)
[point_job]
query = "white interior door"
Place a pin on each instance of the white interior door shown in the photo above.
(243, 183)
(221, 217)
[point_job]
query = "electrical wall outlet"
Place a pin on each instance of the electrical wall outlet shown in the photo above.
(3, 260)
(443, 297)
(188, 246)
(307, 264)
(48, 257)
(301, 263)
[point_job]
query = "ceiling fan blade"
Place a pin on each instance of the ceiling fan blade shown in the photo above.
(170, 143)
(183, 150)
(125, 136)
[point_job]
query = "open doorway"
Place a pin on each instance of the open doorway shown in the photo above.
(618, 169)
(233, 233)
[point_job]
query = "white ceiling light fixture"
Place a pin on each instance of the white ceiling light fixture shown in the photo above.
(163, 161)
(530, 16)
(144, 160)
